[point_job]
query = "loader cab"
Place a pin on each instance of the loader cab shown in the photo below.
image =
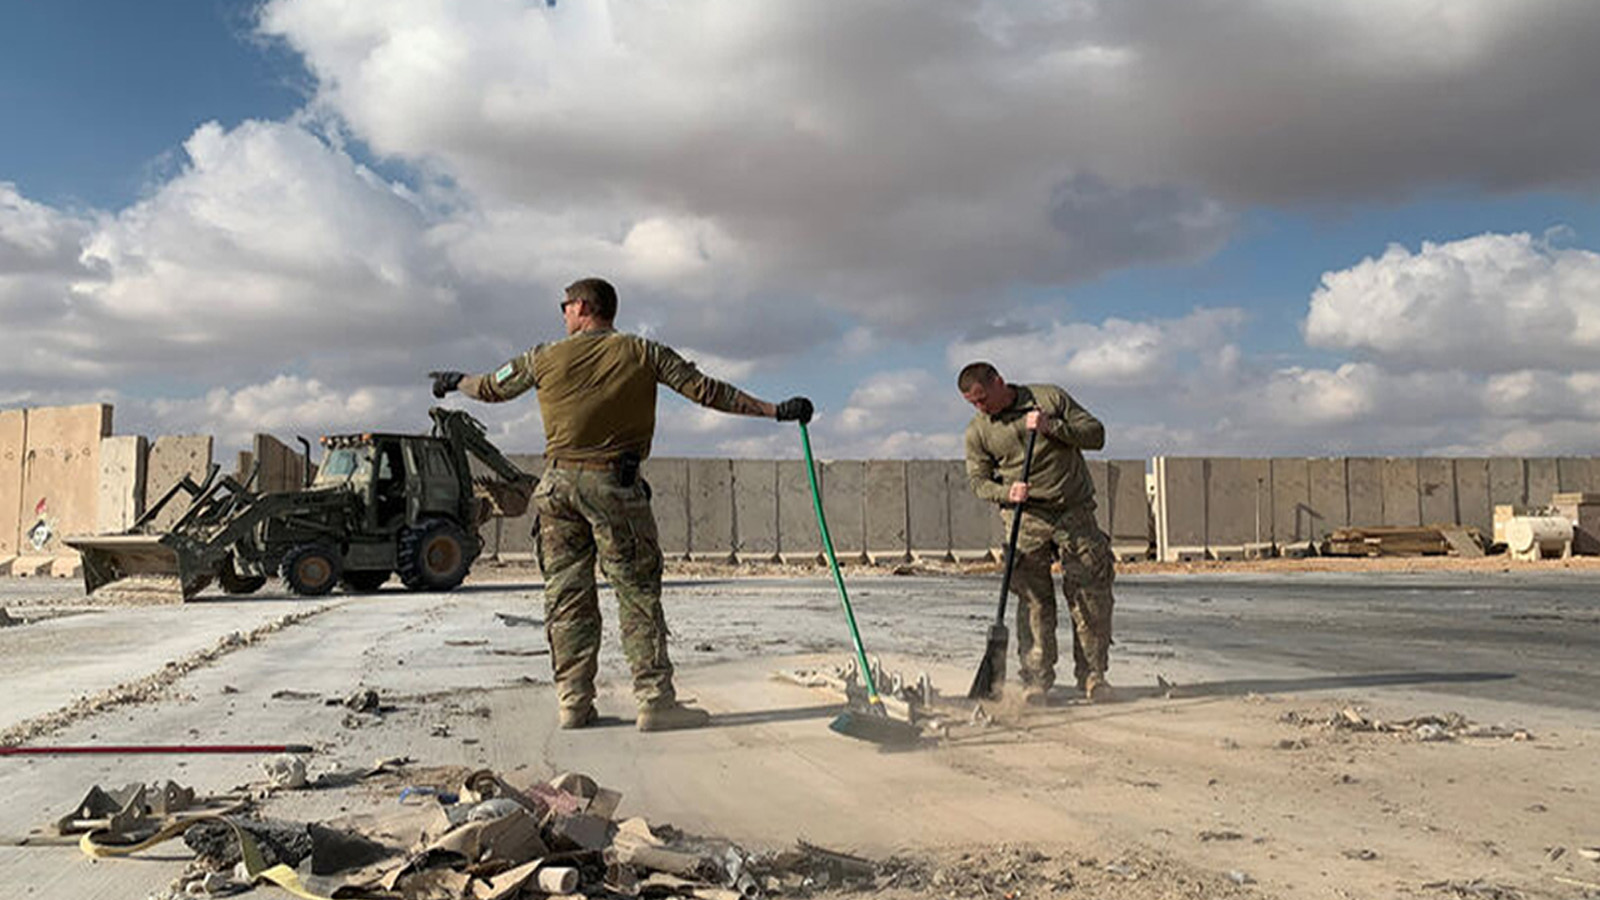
(400, 478)
(373, 467)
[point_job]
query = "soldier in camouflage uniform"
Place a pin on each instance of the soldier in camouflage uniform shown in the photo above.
(597, 396)
(1057, 508)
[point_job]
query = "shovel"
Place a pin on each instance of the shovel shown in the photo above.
(992, 671)
(873, 723)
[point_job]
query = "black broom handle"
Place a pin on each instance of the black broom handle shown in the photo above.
(1016, 522)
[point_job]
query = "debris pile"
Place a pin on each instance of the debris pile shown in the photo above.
(1446, 727)
(1427, 540)
(478, 837)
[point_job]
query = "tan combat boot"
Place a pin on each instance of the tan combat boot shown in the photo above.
(1097, 690)
(578, 717)
(671, 718)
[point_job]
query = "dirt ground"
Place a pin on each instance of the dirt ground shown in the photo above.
(1218, 773)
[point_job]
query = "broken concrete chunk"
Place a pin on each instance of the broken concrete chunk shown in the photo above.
(285, 771)
(1431, 732)
(362, 700)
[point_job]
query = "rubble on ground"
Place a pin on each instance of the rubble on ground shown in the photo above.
(475, 836)
(1446, 727)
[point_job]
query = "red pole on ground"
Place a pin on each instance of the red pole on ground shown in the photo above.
(126, 749)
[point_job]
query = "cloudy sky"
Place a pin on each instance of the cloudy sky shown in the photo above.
(1248, 227)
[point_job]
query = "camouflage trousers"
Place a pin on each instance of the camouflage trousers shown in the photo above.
(1072, 538)
(584, 517)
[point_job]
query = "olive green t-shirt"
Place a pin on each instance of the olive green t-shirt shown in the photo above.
(1059, 477)
(597, 391)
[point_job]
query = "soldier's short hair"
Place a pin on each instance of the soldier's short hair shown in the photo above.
(975, 374)
(597, 294)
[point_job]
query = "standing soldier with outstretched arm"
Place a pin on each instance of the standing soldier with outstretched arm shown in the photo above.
(1057, 508)
(597, 396)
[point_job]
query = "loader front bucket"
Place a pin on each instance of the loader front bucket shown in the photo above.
(155, 567)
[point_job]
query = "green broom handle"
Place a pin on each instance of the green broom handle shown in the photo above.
(833, 564)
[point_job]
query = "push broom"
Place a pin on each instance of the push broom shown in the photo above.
(992, 670)
(872, 723)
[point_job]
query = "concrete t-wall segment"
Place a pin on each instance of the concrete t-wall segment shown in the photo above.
(755, 509)
(972, 521)
(886, 510)
(1508, 482)
(1544, 480)
(669, 501)
(798, 537)
(711, 509)
(1402, 506)
(1180, 507)
(282, 467)
(1330, 498)
(1291, 501)
(1436, 489)
(171, 458)
(928, 491)
(61, 476)
(13, 447)
(844, 491)
(1238, 503)
(1472, 494)
(1364, 484)
(1128, 507)
(1575, 475)
(122, 476)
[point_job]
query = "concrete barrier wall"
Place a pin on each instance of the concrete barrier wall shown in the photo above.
(13, 447)
(1209, 504)
(61, 476)
(798, 537)
(927, 505)
(122, 475)
(1180, 507)
(755, 509)
(884, 510)
(171, 458)
(283, 468)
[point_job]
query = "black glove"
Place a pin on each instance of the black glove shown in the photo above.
(445, 382)
(795, 409)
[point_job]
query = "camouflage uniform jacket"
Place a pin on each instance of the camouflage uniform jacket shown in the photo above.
(597, 391)
(1059, 478)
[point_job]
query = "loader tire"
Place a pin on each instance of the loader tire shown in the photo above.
(311, 570)
(365, 581)
(233, 583)
(433, 556)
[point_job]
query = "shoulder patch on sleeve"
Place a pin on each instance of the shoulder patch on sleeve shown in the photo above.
(504, 373)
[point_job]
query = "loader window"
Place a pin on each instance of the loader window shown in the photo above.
(339, 463)
(391, 484)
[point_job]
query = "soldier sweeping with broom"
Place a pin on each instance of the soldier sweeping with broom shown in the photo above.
(1024, 450)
